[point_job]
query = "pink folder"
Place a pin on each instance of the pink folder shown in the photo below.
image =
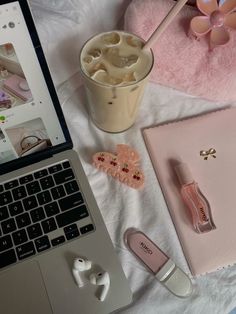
(183, 141)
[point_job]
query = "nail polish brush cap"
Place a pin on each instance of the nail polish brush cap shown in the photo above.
(158, 263)
(183, 173)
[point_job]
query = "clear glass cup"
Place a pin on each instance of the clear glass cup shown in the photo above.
(113, 107)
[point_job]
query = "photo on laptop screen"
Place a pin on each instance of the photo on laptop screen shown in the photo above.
(29, 137)
(28, 118)
(14, 89)
(2, 136)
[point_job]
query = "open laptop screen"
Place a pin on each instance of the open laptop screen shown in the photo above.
(29, 120)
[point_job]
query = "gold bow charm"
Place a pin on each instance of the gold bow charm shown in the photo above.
(206, 153)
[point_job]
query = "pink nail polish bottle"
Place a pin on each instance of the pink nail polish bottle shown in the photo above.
(195, 200)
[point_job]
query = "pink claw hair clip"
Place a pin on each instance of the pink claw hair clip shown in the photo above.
(123, 165)
(218, 18)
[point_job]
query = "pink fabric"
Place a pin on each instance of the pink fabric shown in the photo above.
(182, 62)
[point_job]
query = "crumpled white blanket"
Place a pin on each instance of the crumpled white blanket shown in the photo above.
(59, 23)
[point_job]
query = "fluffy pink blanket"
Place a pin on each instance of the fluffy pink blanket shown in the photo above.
(182, 62)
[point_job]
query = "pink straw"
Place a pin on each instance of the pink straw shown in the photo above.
(165, 22)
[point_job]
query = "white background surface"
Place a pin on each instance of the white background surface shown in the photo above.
(63, 26)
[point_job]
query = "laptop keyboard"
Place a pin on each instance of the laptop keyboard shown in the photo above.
(40, 211)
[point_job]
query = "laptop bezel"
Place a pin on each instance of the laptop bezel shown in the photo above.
(35, 157)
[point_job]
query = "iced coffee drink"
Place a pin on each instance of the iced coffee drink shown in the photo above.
(115, 70)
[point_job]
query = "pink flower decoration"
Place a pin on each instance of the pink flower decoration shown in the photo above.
(217, 19)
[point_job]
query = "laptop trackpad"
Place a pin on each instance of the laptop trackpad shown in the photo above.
(22, 290)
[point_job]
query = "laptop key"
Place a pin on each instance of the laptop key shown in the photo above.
(66, 164)
(71, 216)
(42, 243)
(64, 176)
(47, 182)
(58, 192)
(41, 173)
(71, 187)
(72, 235)
(5, 243)
(86, 229)
(5, 198)
(19, 193)
(49, 225)
(8, 225)
(11, 184)
(23, 220)
(37, 214)
(30, 202)
(15, 208)
(1, 188)
(25, 250)
(33, 187)
(34, 231)
(3, 213)
(19, 237)
(71, 201)
(51, 209)
(70, 228)
(26, 179)
(58, 240)
(44, 197)
(71, 232)
(7, 258)
(55, 168)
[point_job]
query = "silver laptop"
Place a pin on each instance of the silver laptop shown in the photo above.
(48, 214)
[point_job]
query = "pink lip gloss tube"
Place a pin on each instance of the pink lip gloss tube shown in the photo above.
(194, 199)
(158, 263)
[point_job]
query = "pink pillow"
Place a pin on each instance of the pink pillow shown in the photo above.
(182, 62)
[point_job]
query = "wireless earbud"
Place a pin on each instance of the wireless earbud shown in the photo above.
(101, 279)
(80, 265)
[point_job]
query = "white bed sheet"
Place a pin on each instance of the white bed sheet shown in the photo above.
(63, 26)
